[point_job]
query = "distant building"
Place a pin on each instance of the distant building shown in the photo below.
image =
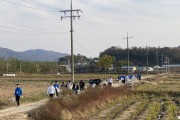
(81, 64)
(150, 69)
(132, 69)
(174, 68)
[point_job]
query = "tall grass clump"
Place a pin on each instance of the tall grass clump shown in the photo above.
(78, 106)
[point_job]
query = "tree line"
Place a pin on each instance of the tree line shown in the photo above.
(113, 57)
(116, 57)
(138, 56)
(12, 65)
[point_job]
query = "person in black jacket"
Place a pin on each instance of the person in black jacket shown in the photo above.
(95, 80)
(91, 81)
(75, 88)
(81, 84)
(98, 81)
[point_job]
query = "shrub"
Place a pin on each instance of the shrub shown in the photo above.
(78, 106)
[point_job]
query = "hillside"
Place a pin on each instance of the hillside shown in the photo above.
(31, 55)
(138, 56)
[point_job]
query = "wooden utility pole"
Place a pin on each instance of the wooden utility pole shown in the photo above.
(128, 37)
(71, 11)
(147, 60)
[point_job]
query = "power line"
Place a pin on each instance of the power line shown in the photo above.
(40, 4)
(24, 30)
(86, 28)
(28, 6)
(90, 42)
(95, 34)
(83, 47)
(97, 27)
(87, 42)
(33, 34)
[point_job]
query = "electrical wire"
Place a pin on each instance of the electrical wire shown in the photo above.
(86, 28)
(27, 30)
(40, 4)
(96, 27)
(32, 34)
(28, 6)
(83, 47)
(95, 42)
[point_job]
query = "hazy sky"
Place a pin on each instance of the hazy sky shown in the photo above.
(36, 24)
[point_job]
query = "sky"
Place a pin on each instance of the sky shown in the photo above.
(37, 24)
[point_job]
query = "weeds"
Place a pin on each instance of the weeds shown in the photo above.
(80, 106)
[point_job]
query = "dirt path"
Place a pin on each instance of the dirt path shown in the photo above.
(19, 113)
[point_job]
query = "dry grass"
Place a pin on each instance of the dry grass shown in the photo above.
(32, 91)
(58, 77)
(35, 85)
(80, 106)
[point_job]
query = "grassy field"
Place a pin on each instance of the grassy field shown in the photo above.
(154, 98)
(62, 77)
(35, 86)
(32, 91)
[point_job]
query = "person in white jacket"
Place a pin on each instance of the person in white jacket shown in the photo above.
(51, 91)
(110, 81)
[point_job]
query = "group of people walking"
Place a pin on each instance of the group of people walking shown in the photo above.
(75, 87)
(54, 89)
(128, 78)
(97, 81)
(94, 82)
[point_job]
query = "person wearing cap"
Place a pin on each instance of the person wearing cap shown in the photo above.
(18, 94)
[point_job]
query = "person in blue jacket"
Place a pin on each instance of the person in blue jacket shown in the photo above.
(57, 88)
(18, 94)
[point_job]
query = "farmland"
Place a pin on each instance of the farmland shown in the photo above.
(35, 85)
(153, 98)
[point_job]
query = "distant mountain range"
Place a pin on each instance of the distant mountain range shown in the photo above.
(31, 55)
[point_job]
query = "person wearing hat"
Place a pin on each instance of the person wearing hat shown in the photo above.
(18, 94)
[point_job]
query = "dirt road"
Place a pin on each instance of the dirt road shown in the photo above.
(19, 113)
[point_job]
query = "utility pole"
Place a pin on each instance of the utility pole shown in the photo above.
(157, 60)
(147, 59)
(162, 64)
(57, 66)
(38, 67)
(166, 63)
(20, 69)
(71, 11)
(128, 37)
(7, 65)
(168, 66)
